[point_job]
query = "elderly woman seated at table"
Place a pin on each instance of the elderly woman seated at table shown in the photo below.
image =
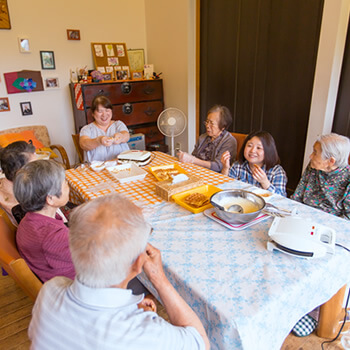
(325, 184)
(42, 237)
(104, 138)
(12, 158)
(212, 144)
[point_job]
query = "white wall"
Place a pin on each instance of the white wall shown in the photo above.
(45, 23)
(328, 69)
(167, 48)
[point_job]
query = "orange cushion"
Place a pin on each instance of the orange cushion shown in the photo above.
(27, 136)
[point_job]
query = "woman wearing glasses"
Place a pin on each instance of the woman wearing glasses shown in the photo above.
(212, 144)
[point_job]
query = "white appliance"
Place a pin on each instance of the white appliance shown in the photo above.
(171, 123)
(301, 237)
(138, 157)
(137, 141)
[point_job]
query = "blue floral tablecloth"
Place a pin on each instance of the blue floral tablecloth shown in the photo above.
(247, 297)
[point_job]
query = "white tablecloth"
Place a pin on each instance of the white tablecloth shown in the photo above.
(246, 296)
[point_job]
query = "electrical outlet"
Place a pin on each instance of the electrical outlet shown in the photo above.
(178, 146)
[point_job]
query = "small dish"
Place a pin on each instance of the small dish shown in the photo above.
(127, 172)
(97, 165)
(207, 190)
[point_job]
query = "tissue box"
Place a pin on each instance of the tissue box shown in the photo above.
(166, 189)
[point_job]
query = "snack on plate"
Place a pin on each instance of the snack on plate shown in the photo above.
(196, 199)
(165, 174)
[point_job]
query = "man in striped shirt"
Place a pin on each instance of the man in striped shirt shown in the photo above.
(108, 243)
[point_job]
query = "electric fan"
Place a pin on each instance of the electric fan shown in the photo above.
(171, 123)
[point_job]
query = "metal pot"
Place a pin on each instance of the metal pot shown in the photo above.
(224, 198)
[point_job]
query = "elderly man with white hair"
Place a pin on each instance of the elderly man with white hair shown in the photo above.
(325, 183)
(108, 243)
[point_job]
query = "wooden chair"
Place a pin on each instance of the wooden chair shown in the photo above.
(240, 139)
(79, 150)
(41, 134)
(11, 261)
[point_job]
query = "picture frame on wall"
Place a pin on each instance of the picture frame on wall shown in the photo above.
(4, 104)
(26, 108)
(51, 83)
(47, 60)
(73, 34)
(4, 15)
(23, 44)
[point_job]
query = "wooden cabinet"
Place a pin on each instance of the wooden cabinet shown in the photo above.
(136, 103)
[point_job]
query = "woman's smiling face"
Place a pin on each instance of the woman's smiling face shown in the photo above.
(254, 151)
(102, 116)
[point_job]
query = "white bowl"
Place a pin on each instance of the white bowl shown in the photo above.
(97, 165)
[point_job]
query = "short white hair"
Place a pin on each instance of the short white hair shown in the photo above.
(336, 146)
(106, 236)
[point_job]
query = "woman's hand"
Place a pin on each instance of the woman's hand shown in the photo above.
(147, 304)
(184, 157)
(118, 138)
(225, 161)
(260, 176)
(106, 141)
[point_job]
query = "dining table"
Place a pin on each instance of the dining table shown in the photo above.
(246, 296)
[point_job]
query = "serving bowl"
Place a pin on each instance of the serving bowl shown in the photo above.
(251, 203)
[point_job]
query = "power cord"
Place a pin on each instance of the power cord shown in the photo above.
(339, 245)
(344, 321)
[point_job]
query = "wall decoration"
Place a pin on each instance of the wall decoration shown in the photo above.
(148, 70)
(110, 56)
(26, 108)
(4, 15)
(23, 81)
(51, 83)
(137, 75)
(47, 60)
(73, 34)
(136, 59)
(23, 44)
(4, 104)
(107, 77)
(122, 75)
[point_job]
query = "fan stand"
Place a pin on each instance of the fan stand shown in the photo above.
(172, 148)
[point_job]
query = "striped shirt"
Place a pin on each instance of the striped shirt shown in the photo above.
(43, 243)
(276, 175)
(69, 315)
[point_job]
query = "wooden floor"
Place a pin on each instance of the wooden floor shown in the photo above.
(15, 313)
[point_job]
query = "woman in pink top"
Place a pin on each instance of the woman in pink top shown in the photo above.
(40, 188)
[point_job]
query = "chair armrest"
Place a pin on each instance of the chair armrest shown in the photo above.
(63, 155)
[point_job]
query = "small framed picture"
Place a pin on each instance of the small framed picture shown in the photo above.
(137, 75)
(51, 83)
(26, 108)
(122, 74)
(4, 104)
(107, 76)
(47, 60)
(73, 34)
(23, 44)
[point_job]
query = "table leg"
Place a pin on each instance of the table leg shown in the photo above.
(330, 314)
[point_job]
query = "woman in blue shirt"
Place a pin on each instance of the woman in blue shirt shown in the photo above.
(258, 164)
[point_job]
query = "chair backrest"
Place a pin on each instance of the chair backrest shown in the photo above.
(11, 261)
(79, 150)
(240, 139)
(40, 132)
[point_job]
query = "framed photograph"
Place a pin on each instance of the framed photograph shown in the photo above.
(51, 83)
(47, 60)
(122, 74)
(137, 75)
(73, 34)
(108, 76)
(4, 104)
(23, 44)
(26, 108)
(4, 15)
(136, 59)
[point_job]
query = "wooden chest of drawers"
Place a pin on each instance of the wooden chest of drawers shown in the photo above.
(136, 103)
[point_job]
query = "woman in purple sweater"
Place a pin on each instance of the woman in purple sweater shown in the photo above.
(42, 238)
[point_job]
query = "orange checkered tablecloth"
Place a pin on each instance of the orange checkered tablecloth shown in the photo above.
(86, 184)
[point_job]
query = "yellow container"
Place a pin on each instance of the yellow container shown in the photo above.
(207, 190)
(153, 170)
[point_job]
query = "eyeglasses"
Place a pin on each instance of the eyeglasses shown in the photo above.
(209, 122)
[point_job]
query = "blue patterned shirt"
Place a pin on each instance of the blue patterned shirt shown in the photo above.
(276, 175)
(329, 192)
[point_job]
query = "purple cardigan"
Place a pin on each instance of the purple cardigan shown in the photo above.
(226, 142)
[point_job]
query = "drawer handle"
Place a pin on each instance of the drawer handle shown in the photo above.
(102, 92)
(149, 111)
(127, 108)
(148, 90)
(126, 88)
